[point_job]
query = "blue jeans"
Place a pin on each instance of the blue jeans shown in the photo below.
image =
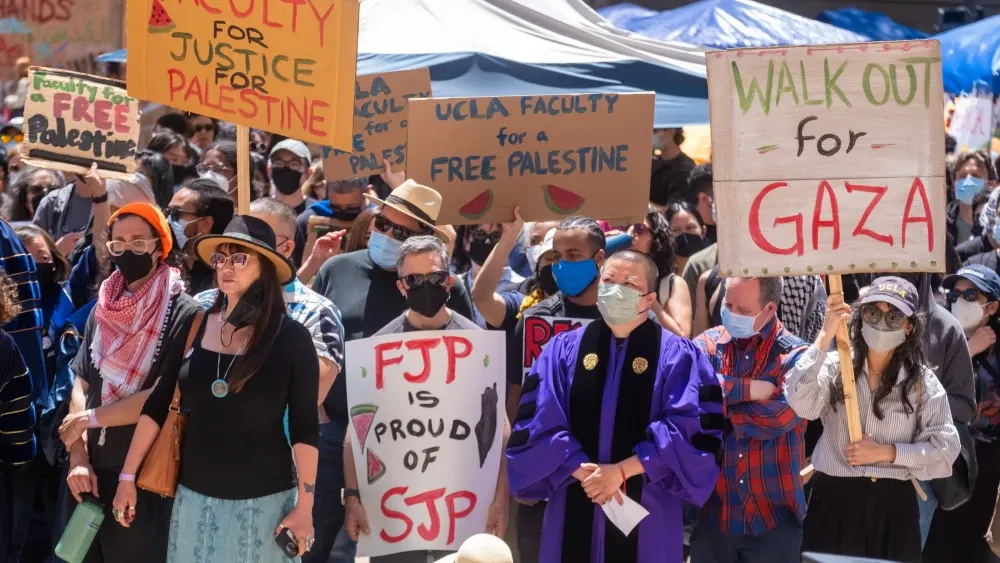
(780, 545)
(328, 512)
(927, 509)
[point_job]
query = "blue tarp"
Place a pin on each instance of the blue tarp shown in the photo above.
(727, 24)
(970, 54)
(621, 15)
(879, 27)
(534, 47)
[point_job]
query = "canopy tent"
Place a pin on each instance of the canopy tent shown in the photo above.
(727, 24)
(621, 14)
(877, 26)
(516, 47)
(970, 55)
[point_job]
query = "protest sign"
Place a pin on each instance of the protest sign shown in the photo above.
(539, 331)
(73, 120)
(828, 159)
(972, 122)
(554, 156)
(380, 121)
(285, 67)
(427, 417)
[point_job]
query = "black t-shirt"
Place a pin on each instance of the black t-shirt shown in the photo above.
(554, 306)
(201, 277)
(368, 300)
(235, 446)
(669, 178)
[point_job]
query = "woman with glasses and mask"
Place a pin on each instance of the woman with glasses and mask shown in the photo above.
(174, 148)
(135, 335)
(863, 501)
(688, 229)
(249, 363)
(652, 237)
(219, 163)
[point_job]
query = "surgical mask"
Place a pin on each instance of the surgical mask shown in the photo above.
(739, 326)
(533, 253)
(36, 200)
(480, 247)
(617, 303)
(687, 244)
(713, 211)
(178, 226)
(133, 266)
(996, 231)
(882, 340)
(382, 250)
(218, 178)
(426, 299)
(574, 277)
(967, 188)
(658, 143)
(546, 281)
(968, 313)
(286, 180)
(248, 307)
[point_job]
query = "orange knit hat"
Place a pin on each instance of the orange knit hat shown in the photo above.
(154, 217)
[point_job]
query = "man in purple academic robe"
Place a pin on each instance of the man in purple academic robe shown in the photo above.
(621, 407)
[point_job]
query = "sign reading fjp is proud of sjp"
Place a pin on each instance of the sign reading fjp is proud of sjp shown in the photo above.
(828, 159)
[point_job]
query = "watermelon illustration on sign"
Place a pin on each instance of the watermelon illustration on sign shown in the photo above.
(478, 206)
(376, 468)
(159, 20)
(362, 417)
(561, 201)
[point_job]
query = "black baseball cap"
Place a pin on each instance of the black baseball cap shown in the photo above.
(895, 291)
(985, 279)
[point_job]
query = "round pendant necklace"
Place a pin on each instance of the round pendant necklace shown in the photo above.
(220, 387)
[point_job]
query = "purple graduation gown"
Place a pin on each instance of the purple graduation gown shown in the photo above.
(653, 395)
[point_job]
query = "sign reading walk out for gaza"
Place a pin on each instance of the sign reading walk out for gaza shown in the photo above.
(829, 159)
(74, 120)
(283, 66)
(554, 156)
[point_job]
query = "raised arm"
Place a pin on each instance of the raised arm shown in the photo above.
(808, 383)
(484, 296)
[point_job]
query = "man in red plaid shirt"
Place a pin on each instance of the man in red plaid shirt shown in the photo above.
(755, 513)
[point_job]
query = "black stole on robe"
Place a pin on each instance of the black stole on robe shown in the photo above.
(635, 393)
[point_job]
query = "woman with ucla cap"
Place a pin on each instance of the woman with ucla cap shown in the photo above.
(242, 482)
(135, 334)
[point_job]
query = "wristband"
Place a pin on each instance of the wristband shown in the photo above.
(130, 477)
(100, 199)
(624, 479)
(93, 419)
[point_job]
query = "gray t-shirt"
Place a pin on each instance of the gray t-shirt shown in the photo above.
(402, 324)
(63, 211)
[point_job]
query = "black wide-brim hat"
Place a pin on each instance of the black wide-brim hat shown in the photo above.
(252, 233)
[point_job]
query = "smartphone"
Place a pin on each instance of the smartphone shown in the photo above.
(286, 541)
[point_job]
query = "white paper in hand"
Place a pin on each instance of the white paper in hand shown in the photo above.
(626, 516)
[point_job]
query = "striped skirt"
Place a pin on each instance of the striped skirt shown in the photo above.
(210, 530)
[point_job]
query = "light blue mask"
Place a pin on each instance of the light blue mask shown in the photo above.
(739, 326)
(573, 278)
(967, 188)
(382, 250)
(996, 231)
(617, 303)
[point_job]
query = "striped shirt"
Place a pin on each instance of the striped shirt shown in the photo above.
(17, 415)
(926, 452)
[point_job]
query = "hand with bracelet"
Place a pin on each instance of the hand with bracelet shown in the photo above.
(123, 506)
(607, 481)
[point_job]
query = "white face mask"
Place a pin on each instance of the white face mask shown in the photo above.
(218, 178)
(968, 313)
(882, 340)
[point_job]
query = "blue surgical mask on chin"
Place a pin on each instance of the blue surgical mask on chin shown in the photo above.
(382, 250)
(573, 278)
(738, 326)
(967, 188)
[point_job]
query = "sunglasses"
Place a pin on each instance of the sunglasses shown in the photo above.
(138, 246)
(175, 213)
(872, 315)
(398, 232)
(42, 189)
(435, 278)
(639, 229)
(8, 137)
(203, 128)
(971, 295)
(239, 260)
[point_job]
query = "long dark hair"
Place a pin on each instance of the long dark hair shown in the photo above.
(907, 356)
(266, 321)
(27, 232)
(161, 176)
(662, 250)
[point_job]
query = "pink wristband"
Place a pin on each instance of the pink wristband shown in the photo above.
(93, 419)
(130, 477)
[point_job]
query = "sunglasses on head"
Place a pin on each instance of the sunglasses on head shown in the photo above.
(398, 232)
(239, 260)
(435, 278)
(971, 295)
(872, 315)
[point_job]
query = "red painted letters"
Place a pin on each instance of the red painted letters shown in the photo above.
(431, 529)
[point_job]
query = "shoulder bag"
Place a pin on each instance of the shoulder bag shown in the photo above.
(956, 489)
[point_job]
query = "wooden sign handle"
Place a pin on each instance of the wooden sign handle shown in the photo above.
(243, 168)
(846, 367)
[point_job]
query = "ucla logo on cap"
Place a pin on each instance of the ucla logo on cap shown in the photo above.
(892, 288)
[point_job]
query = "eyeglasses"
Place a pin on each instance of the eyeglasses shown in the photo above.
(42, 189)
(8, 137)
(176, 212)
(138, 246)
(639, 229)
(203, 168)
(872, 315)
(205, 127)
(239, 260)
(398, 232)
(436, 278)
(296, 165)
(971, 295)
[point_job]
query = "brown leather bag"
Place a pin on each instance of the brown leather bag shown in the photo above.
(163, 461)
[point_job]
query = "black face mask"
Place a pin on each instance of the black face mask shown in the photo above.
(426, 299)
(247, 308)
(133, 266)
(480, 246)
(687, 244)
(180, 173)
(286, 180)
(46, 272)
(345, 214)
(547, 281)
(35, 201)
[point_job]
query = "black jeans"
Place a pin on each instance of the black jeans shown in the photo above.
(328, 512)
(529, 531)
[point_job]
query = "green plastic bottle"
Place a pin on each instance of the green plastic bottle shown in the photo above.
(81, 530)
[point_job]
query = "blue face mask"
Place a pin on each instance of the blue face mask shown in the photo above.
(739, 326)
(382, 250)
(967, 188)
(996, 231)
(572, 278)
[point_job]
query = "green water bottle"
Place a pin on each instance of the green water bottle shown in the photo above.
(81, 530)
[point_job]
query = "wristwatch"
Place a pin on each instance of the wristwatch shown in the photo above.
(100, 199)
(345, 493)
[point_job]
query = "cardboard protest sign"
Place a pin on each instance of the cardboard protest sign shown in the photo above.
(554, 156)
(427, 418)
(828, 159)
(972, 122)
(73, 120)
(285, 67)
(539, 331)
(380, 122)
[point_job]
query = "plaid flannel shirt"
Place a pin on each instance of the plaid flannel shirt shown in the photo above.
(759, 486)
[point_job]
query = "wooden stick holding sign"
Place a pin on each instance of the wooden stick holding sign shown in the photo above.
(846, 366)
(242, 168)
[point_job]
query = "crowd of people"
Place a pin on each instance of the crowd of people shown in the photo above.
(717, 403)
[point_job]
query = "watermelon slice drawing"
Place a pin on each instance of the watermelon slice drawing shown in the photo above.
(376, 468)
(362, 417)
(159, 20)
(561, 201)
(478, 206)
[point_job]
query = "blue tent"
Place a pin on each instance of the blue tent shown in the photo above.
(621, 15)
(726, 24)
(879, 27)
(970, 54)
(515, 47)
